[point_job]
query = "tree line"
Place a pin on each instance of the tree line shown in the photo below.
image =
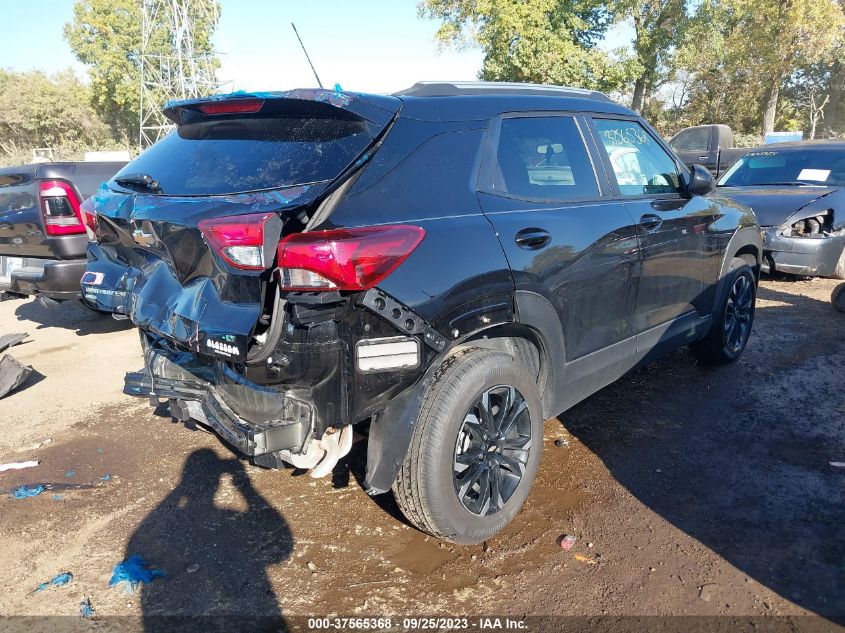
(756, 65)
(70, 116)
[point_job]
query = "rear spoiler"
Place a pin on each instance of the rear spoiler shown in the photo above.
(377, 109)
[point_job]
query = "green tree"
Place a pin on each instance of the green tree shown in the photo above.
(542, 41)
(657, 27)
(776, 37)
(106, 35)
(716, 85)
(738, 56)
(41, 111)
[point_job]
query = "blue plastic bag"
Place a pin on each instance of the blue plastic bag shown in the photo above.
(23, 492)
(85, 608)
(56, 581)
(134, 571)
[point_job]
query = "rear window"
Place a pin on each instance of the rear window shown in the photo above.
(241, 154)
(17, 192)
(696, 139)
(543, 158)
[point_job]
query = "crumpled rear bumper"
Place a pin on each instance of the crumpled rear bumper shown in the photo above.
(206, 390)
(815, 257)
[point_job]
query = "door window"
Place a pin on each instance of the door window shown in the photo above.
(641, 166)
(543, 158)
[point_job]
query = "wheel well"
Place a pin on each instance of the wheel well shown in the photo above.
(521, 342)
(752, 256)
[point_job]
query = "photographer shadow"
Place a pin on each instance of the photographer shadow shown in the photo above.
(216, 556)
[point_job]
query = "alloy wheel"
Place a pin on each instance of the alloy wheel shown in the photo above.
(738, 313)
(492, 450)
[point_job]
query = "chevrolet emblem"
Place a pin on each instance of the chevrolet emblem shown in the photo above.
(142, 238)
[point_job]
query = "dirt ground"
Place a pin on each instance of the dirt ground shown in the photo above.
(692, 491)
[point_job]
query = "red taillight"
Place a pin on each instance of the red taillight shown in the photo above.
(239, 106)
(89, 219)
(60, 208)
(344, 259)
(240, 239)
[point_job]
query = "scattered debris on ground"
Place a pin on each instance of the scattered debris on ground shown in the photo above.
(134, 571)
(729, 507)
(24, 491)
(12, 374)
(18, 465)
(708, 591)
(59, 580)
(10, 340)
(585, 559)
(566, 541)
(85, 608)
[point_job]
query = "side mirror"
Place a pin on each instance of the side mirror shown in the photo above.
(701, 181)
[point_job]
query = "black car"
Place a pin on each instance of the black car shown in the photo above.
(797, 191)
(42, 235)
(445, 268)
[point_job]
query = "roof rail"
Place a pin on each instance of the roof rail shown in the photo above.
(463, 88)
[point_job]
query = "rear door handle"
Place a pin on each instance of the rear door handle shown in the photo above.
(650, 221)
(532, 238)
(705, 157)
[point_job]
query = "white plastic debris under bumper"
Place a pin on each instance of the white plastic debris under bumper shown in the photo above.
(322, 455)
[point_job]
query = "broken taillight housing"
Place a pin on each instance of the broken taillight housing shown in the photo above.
(60, 208)
(344, 259)
(244, 241)
(89, 219)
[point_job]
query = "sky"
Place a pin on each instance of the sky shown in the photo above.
(364, 45)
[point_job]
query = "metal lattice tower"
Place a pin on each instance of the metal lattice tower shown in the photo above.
(179, 74)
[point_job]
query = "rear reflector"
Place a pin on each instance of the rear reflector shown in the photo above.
(60, 208)
(244, 241)
(239, 106)
(380, 354)
(344, 259)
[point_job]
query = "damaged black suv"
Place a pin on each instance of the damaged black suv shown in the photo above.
(444, 268)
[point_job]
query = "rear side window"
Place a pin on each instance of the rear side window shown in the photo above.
(641, 166)
(696, 139)
(17, 192)
(543, 158)
(241, 154)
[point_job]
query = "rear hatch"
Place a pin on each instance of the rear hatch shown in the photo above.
(186, 234)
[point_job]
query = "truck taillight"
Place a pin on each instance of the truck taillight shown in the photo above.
(60, 208)
(344, 259)
(244, 241)
(89, 219)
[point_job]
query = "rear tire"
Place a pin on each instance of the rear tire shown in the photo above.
(732, 321)
(837, 297)
(459, 453)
